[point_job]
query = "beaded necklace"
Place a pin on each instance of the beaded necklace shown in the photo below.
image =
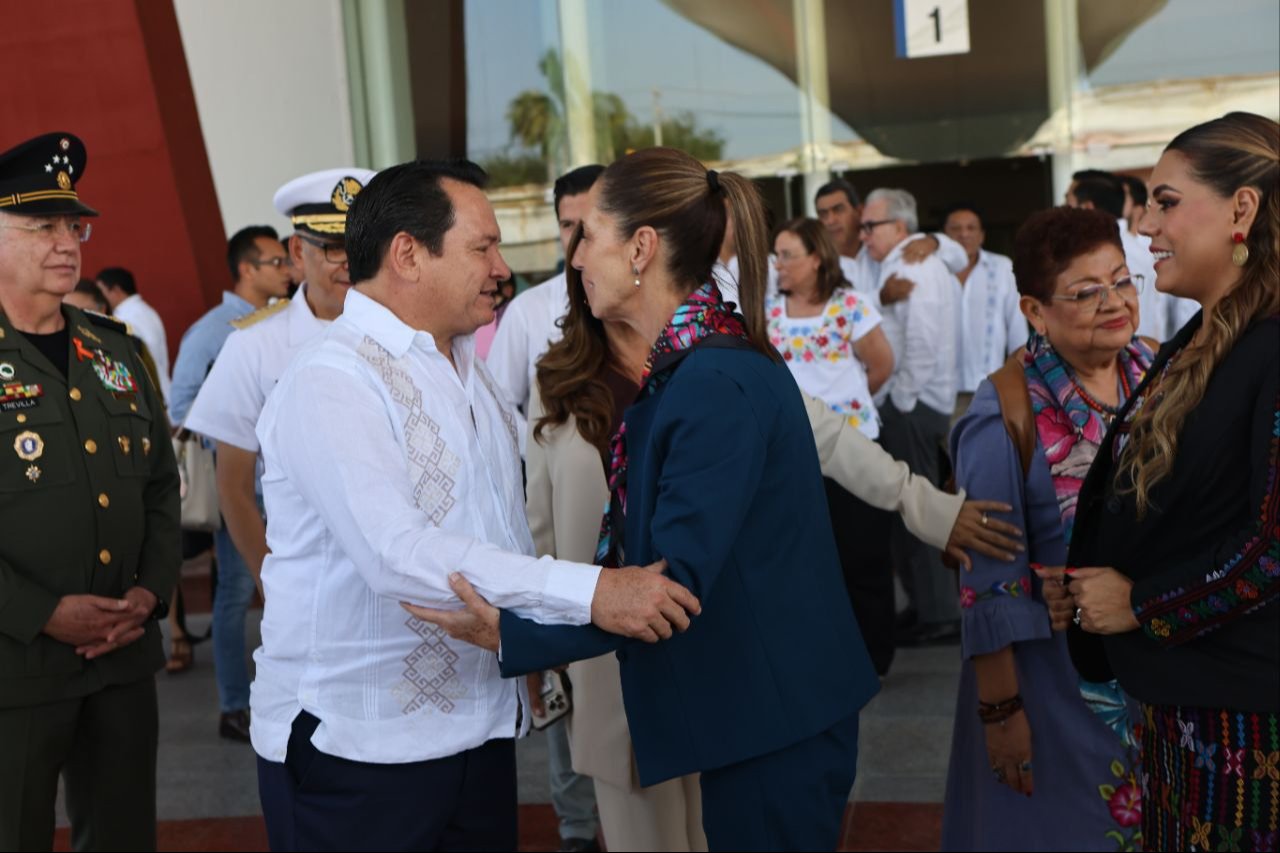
(1102, 408)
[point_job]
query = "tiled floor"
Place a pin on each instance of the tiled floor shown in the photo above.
(207, 792)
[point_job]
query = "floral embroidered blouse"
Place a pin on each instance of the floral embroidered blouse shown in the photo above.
(819, 350)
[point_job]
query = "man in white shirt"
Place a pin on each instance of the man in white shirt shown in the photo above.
(991, 326)
(391, 463)
(917, 401)
(530, 325)
(121, 292)
(250, 363)
(839, 210)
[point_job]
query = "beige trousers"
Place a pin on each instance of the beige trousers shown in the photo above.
(665, 817)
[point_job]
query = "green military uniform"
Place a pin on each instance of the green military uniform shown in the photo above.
(89, 504)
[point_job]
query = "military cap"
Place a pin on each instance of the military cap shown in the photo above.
(38, 177)
(318, 203)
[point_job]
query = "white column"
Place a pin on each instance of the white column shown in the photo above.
(1062, 42)
(580, 120)
(815, 98)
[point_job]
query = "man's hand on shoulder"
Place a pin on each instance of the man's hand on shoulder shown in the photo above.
(896, 289)
(642, 604)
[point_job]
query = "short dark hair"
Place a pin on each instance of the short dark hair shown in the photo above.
(91, 290)
(575, 182)
(242, 246)
(406, 198)
(1095, 175)
(1050, 240)
(1104, 195)
(1137, 189)
(964, 205)
(839, 185)
(118, 277)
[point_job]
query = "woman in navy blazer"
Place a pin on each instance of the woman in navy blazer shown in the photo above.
(714, 470)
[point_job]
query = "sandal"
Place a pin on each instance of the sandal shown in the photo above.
(182, 656)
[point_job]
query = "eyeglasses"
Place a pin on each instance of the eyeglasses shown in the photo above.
(1095, 295)
(278, 262)
(334, 253)
(867, 227)
(51, 228)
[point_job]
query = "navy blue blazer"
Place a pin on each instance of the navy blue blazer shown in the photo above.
(724, 482)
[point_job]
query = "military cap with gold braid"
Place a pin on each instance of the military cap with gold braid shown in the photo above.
(317, 203)
(38, 177)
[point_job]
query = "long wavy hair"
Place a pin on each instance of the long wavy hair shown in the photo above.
(673, 193)
(1235, 151)
(817, 241)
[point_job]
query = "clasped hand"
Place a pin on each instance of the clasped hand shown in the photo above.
(635, 602)
(1100, 597)
(96, 625)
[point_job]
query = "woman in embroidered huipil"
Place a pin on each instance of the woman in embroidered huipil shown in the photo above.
(1179, 535)
(1040, 759)
(831, 340)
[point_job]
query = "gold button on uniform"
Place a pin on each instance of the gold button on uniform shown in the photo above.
(74, 393)
(103, 500)
(90, 446)
(22, 419)
(104, 556)
(133, 407)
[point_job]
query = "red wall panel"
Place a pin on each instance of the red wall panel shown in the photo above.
(113, 72)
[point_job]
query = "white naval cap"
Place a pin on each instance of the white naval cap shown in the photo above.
(318, 202)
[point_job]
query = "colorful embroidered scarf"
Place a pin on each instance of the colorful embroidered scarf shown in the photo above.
(699, 317)
(1070, 429)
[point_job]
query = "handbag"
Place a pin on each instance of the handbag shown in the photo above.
(199, 489)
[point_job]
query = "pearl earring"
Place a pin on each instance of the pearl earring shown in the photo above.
(636, 272)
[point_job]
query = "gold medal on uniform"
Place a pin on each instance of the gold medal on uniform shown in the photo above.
(29, 446)
(6, 371)
(33, 473)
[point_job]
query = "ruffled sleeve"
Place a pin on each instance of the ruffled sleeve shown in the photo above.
(999, 602)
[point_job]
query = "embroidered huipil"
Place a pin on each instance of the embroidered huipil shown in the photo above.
(819, 351)
(385, 470)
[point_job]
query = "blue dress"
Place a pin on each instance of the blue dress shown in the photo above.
(1085, 793)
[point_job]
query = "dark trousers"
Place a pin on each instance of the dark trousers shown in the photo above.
(791, 799)
(315, 801)
(104, 746)
(862, 539)
(918, 438)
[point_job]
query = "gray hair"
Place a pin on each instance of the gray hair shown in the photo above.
(901, 205)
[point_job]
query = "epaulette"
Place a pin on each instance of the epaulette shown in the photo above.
(109, 323)
(261, 314)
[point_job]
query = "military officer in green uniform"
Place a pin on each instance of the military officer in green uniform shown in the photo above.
(89, 529)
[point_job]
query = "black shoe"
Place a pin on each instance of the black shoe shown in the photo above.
(234, 725)
(586, 845)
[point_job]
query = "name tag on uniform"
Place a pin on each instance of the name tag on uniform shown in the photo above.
(17, 395)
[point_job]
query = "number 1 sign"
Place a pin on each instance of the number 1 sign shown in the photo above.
(930, 27)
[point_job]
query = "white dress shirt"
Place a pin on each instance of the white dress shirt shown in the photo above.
(922, 332)
(386, 470)
(528, 329)
(991, 324)
(1153, 306)
(250, 364)
(146, 324)
(864, 271)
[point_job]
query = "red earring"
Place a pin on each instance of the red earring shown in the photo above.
(1240, 254)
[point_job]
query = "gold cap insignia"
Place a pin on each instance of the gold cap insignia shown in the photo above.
(64, 180)
(64, 143)
(344, 194)
(29, 446)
